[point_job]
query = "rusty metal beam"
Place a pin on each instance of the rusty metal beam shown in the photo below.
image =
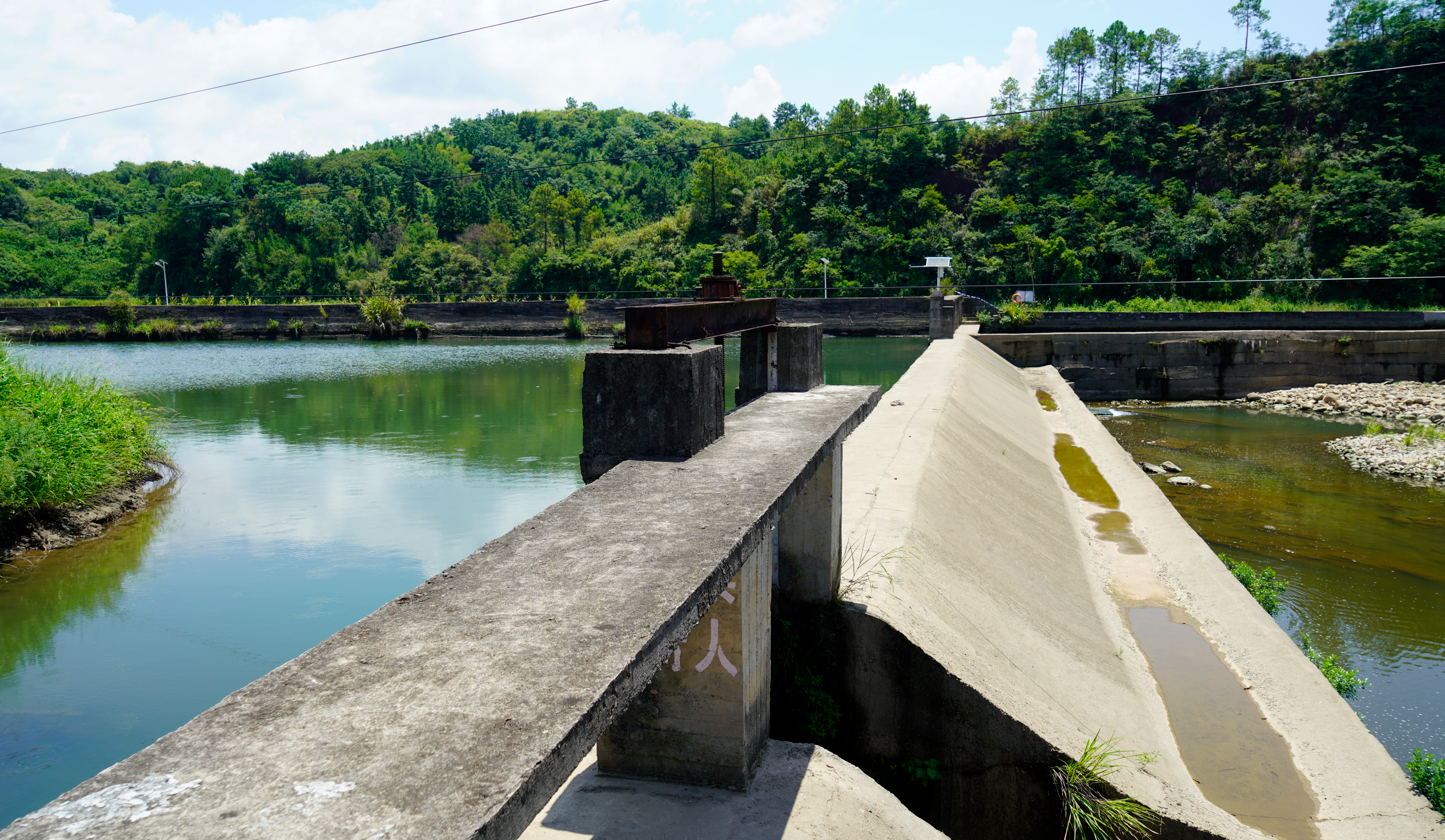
(663, 325)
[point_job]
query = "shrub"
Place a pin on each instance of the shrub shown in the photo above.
(572, 325)
(273, 326)
(1012, 316)
(382, 315)
(120, 309)
(65, 440)
(1344, 680)
(296, 327)
(1262, 584)
(1427, 774)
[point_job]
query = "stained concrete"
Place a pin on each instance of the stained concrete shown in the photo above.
(801, 791)
(1225, 364)
(459, 708)
(998, 643)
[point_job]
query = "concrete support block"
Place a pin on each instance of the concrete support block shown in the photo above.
(800, 357)
(704, 719)
(788, 357)
(810, 537)
(649, 404)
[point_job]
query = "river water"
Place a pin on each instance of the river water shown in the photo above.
(319, 481)
(1364, 555)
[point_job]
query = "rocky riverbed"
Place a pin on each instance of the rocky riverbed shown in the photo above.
(1417, 409)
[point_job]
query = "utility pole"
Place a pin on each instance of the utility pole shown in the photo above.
(165, 283)
(824, 261)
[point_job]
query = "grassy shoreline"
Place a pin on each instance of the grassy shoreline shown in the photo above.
(66, 443)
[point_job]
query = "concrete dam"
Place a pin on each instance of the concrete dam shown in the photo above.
(982, 585)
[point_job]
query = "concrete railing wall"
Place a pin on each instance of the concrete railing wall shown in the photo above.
(1053, 322)
(1223, 365)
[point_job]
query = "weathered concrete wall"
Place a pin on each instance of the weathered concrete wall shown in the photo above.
(998, 643)
(839, 316)
(1223, 365)
(1174, 321)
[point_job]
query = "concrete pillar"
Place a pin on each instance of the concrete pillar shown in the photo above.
(810, 537)
(704, 719)
(649, 404)
(941, 316)
(757, 365)
(788, 357)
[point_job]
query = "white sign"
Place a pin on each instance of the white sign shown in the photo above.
(938, 262)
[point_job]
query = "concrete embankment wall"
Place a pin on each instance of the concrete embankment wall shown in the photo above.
(1051, 322)
(998, 644)
(1226, 364)
(839, 316)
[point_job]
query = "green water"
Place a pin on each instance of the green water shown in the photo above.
(319, 481)
(1364, 555)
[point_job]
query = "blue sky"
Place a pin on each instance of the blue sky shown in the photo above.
(717, 56)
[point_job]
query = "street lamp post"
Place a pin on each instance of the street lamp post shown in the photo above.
(165, 283)
(824, 261)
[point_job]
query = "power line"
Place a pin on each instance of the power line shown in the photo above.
(311, 192)
(307, 67)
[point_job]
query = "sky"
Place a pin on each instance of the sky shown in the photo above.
(719, 57)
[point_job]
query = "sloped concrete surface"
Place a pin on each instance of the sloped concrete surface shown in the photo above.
(801, 791)
(457, 709)
(998, 579)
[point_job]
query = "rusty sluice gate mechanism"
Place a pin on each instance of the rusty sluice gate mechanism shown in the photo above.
(718, 310)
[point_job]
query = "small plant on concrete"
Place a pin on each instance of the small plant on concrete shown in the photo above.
(572, 325)
(920, 770)
(418, 327)
(273, 326)
(296, 327)
(157, 329)
(382, 315)
(210, 328)
(1427, 774)
(1344, 680)
(1012, 316)
(1089, 813)
(619, 331)
(1343, 342)
(861, 565)
(1262, 584)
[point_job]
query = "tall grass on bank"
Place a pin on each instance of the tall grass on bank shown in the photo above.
(1427, 775)
(64, 441)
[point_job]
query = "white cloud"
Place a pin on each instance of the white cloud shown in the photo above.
(758, 95)
(963, 90)
(804, 19)
(81, 55)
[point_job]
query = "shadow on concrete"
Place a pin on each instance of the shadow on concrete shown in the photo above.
(800, 789)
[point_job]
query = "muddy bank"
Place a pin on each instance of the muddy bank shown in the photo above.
(57, 527)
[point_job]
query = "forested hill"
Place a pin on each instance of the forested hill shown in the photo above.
(1331, 178)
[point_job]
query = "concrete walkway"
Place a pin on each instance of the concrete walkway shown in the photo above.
(801, 791)
(998, 575)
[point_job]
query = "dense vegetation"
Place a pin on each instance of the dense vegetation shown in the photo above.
(64, 441)
(1339, 178)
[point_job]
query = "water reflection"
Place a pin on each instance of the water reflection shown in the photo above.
(320, 480)
(1364, 555)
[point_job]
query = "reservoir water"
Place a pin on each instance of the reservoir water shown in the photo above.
(1364, 555)
(319, 480)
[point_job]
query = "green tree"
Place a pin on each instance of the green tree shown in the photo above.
(12, 204)
(1010, 98)
(1115, 47)
(1248, 14)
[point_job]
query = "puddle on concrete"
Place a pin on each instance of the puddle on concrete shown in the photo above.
(1240, 763)
(1046, 400)
(1089, 484)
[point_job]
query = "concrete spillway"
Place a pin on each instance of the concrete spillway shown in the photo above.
(999, 641)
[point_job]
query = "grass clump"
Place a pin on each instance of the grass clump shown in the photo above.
(572, 325)
(382, 315)
(1344, 680)
(415, 327)
(1262, 584)
(1089, 813)
(158, 329)
(1427, 775)
(64, 441)
(210, 328)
